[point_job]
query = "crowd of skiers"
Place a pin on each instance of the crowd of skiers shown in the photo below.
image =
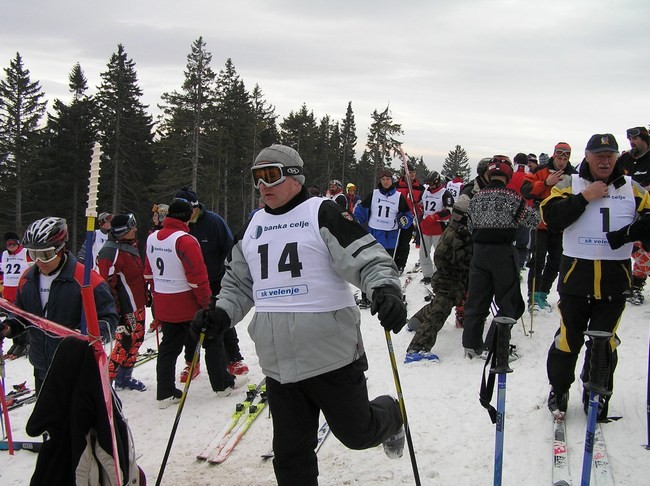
(292, 259)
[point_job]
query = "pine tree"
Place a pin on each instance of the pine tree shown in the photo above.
(348, 146)
(71, 134)
(125, 133)
(300, 132)
(185, 125)
(21, 110)
(381, 143)
(265, 133)
(457, 163)
(230, 172)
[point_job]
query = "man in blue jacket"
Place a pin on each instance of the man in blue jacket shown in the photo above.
(52, 289)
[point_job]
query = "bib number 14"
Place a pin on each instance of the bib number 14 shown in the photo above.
(288, 262)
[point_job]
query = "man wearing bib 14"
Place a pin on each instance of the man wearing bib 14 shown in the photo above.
(593, 276)
(293, 261)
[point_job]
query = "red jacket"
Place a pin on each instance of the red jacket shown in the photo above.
(121, 266)
(517, 180)
(182, 306)
(418, 189)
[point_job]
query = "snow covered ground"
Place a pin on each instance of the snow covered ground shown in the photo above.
(452, 434)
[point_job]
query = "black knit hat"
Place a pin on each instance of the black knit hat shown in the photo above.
(188, 195)
(180, 209)
(122, 224)
(10, 235)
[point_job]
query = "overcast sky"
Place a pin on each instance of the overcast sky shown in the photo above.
(502, 76)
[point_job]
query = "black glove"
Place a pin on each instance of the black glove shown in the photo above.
(214, 321)
(387, 301)
(637, 231)
(11, 327)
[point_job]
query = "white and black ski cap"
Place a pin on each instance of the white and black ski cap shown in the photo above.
(281, 154)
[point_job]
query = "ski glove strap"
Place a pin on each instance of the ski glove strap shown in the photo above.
(211, 321)
(388, 304)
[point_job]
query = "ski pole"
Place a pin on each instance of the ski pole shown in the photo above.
(402, 407)
(599, 370)
(647, 446)
(501, 369)
(532, 293)
(181, 404)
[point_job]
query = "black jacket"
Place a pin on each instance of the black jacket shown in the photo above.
(216, 240)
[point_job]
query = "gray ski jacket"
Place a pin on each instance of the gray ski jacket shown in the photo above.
(294, 346)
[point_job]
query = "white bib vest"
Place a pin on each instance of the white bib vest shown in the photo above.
(432, 201)
(13, 267)
(168, 272)
(290, 264)
(383, 211)
(585, 238)
(454, 188)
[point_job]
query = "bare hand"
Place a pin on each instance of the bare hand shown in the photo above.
(595, 190)
(554, 178)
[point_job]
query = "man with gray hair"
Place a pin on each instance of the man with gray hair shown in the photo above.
(293, 261)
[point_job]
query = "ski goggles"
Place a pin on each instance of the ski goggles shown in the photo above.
(564, 152)
(635, 132)
(11, 243)
(44, 256)
(126, 227)
(272, 174)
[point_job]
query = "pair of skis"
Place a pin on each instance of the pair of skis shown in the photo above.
(602, 472)
(218, 450)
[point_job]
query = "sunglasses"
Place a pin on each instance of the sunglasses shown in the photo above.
(45, 256)
(11, 243)
(563, 152)
(272, 174)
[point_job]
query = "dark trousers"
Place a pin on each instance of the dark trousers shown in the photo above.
(579, 314)
(545, 264)
(493, 273)
(171, 346)
(403, 247)
(342, 396)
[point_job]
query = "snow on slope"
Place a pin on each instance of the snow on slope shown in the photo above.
(452, 434)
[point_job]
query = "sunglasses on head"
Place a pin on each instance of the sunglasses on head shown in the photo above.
(45, 256)
(563, 152)
(272, 174)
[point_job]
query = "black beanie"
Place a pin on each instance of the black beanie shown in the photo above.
(181, 210)
(10, 235)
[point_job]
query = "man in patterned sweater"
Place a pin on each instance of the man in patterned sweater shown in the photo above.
(495, 214)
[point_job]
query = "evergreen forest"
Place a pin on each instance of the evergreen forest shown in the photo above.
(206, 137)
